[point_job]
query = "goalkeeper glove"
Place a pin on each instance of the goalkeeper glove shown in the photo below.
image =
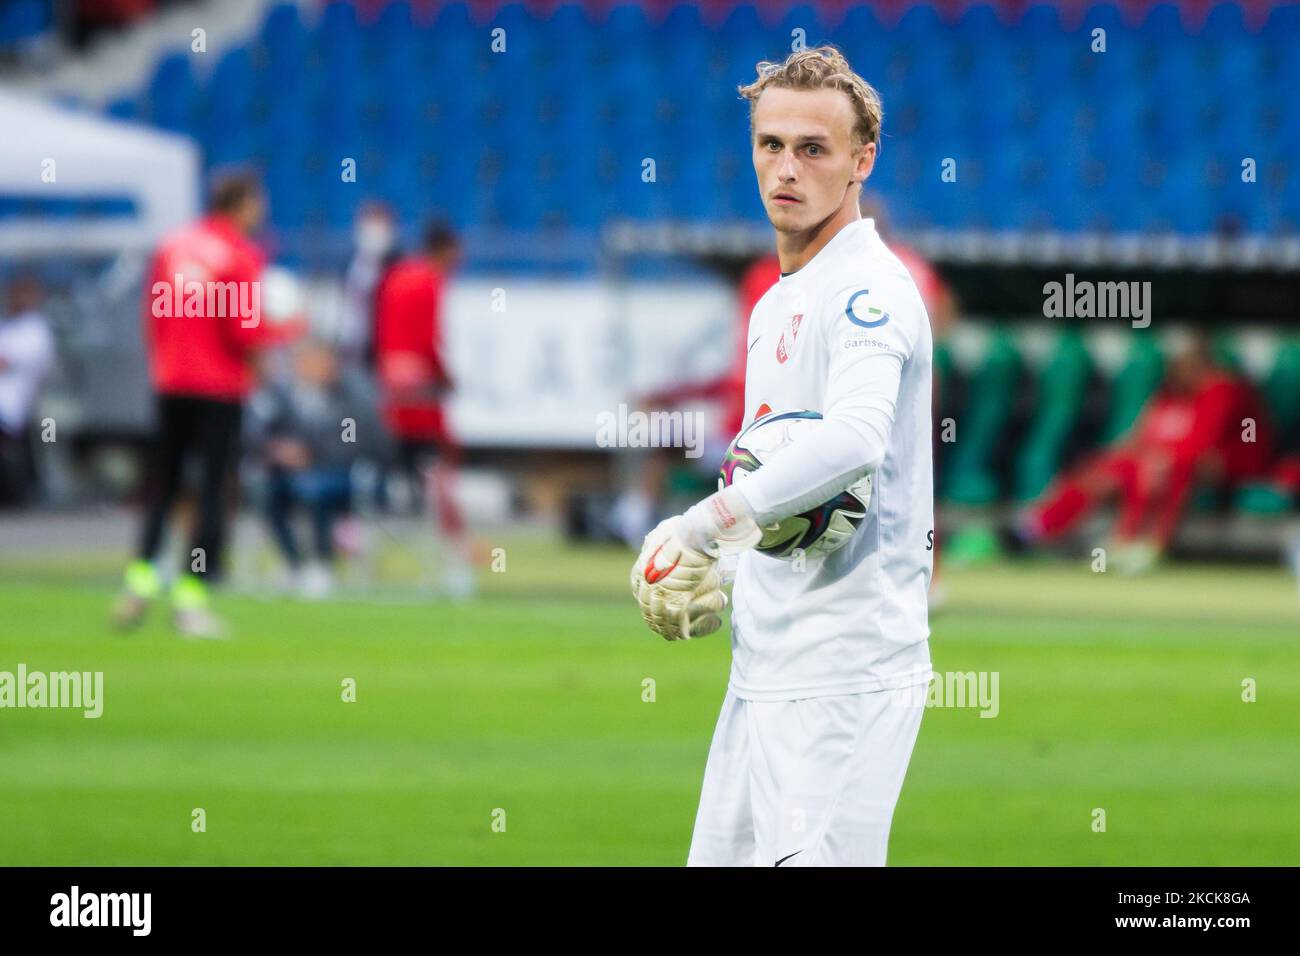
(676, 579)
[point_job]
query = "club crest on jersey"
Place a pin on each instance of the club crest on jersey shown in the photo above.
(782, 352)
(865, 314)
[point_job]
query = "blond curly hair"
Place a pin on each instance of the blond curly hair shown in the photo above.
(821, 68)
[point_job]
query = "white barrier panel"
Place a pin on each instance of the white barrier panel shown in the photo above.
(536, 362)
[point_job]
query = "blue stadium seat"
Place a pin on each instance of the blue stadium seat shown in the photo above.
(395, 22)
(1224, 21)
(22, 20)
(228, 135)
(683, 46)
(573, 40)
(1040, 21)
(283, 42)
(1289, 207)
(981, 24)
(1105, 16)
(994, 206)
(860, 34)
(918, 23)
(125, 108)
(814, 22)
(1044, 50)
(748, 42)
(390, 51)
(448, 52)
(522, 52)
(174, 95)
(1163, 23)
(337, 40)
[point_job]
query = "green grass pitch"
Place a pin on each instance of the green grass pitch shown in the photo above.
(1118, 694)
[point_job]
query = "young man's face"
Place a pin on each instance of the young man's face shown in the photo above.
(316, 365)
(252, 212)
(804, 157)
(448, 258)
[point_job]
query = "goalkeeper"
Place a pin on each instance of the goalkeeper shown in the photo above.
(830, 657)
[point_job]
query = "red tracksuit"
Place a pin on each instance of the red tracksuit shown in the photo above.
(204, 355)
(1178, 439)
(408, 353)
(202, 324)
(408, 348)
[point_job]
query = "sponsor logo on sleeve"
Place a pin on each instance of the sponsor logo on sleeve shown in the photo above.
(860, 341)
(863, 313)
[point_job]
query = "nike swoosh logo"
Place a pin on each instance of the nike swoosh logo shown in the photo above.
(784, 858)
(652, 574)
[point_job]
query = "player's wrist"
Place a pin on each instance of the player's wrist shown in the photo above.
(722, 523)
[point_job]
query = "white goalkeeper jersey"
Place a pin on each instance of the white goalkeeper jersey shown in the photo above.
(848, 336)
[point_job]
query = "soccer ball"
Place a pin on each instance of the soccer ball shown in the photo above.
(817, 531)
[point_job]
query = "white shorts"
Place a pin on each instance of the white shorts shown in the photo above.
(805, 782)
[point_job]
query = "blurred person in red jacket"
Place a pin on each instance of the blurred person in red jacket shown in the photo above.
(414, 382)
(1204, 425)
(203, 330)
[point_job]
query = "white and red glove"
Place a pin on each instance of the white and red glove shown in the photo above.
(676, 579)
